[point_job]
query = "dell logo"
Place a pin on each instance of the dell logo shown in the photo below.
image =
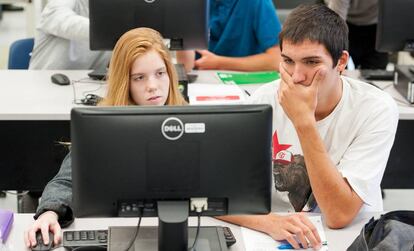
(149, 1)
(172, 128)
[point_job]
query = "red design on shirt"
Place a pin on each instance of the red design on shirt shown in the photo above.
(278, 147)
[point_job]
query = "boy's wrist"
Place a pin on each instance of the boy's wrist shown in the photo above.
(303, 124)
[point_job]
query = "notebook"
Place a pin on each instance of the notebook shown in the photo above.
(6, 222)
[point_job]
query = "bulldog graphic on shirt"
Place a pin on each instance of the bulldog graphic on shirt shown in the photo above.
(290, 175)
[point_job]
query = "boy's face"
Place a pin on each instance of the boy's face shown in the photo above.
(303, 60)
(149, 80)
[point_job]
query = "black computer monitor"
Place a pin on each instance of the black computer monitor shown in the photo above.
(143, 161)
(183, 22)
(394, 29)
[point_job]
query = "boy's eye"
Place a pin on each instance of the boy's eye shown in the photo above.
(311, 62)
(288, 61)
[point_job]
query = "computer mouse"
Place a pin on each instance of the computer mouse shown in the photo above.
(60, 79)
(40, 246)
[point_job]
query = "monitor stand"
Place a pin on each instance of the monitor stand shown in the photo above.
(172, 233)
(210, 238)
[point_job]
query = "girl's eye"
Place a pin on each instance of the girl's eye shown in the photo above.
(138, 78)
(161, 73)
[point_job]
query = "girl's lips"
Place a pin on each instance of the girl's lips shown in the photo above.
(154, 98)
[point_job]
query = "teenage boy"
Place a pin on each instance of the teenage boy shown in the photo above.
(332, 134)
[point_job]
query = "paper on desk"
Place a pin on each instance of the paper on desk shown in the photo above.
(213, 94)
(257, 241)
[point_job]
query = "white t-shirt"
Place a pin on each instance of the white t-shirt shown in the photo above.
(358, 136)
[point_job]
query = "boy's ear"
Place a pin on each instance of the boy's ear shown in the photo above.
(343, 61)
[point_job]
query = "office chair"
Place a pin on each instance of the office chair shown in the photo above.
(20, 52)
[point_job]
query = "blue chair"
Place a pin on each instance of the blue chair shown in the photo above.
(20, 52)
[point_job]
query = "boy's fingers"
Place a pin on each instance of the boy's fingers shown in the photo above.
(284, 75)
(318, 77)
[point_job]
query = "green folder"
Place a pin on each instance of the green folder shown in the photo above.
(248, 77)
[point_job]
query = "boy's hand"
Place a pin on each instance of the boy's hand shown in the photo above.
(299, 101)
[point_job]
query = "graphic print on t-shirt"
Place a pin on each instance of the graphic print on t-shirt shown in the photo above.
(290, 175)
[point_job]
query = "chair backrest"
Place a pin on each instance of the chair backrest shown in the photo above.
(20, 52)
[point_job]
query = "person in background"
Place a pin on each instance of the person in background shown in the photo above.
(332, 135)
(62, 38)
(362, 18)
(140, 73)
(243, 37)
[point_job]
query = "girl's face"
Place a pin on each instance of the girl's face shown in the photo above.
(149, 80)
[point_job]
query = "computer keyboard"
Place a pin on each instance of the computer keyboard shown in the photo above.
(84, 238)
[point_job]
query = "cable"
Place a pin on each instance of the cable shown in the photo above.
(81, 101)
(136, 231)
(197, 233)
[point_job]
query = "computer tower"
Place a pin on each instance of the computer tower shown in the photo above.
(404, 81)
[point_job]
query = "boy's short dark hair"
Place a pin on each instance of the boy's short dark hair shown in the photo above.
(317, 23)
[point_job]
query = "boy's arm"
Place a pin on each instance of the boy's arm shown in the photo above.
(187, 58)
(266, 61)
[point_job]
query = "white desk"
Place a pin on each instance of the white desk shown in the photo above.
(405, 109)
(337, 239)
(30, 95)
(34, 115)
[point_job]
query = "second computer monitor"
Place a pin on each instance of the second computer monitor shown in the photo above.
(395, 26)
(183, 22)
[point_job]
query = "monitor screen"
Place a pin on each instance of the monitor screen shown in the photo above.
(394, 30)
(183, 22)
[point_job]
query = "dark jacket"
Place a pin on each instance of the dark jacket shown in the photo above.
(57, 195)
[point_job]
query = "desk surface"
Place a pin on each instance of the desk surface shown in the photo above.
(337, 239)
(30, 94)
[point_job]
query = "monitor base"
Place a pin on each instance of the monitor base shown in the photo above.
(210, 238)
